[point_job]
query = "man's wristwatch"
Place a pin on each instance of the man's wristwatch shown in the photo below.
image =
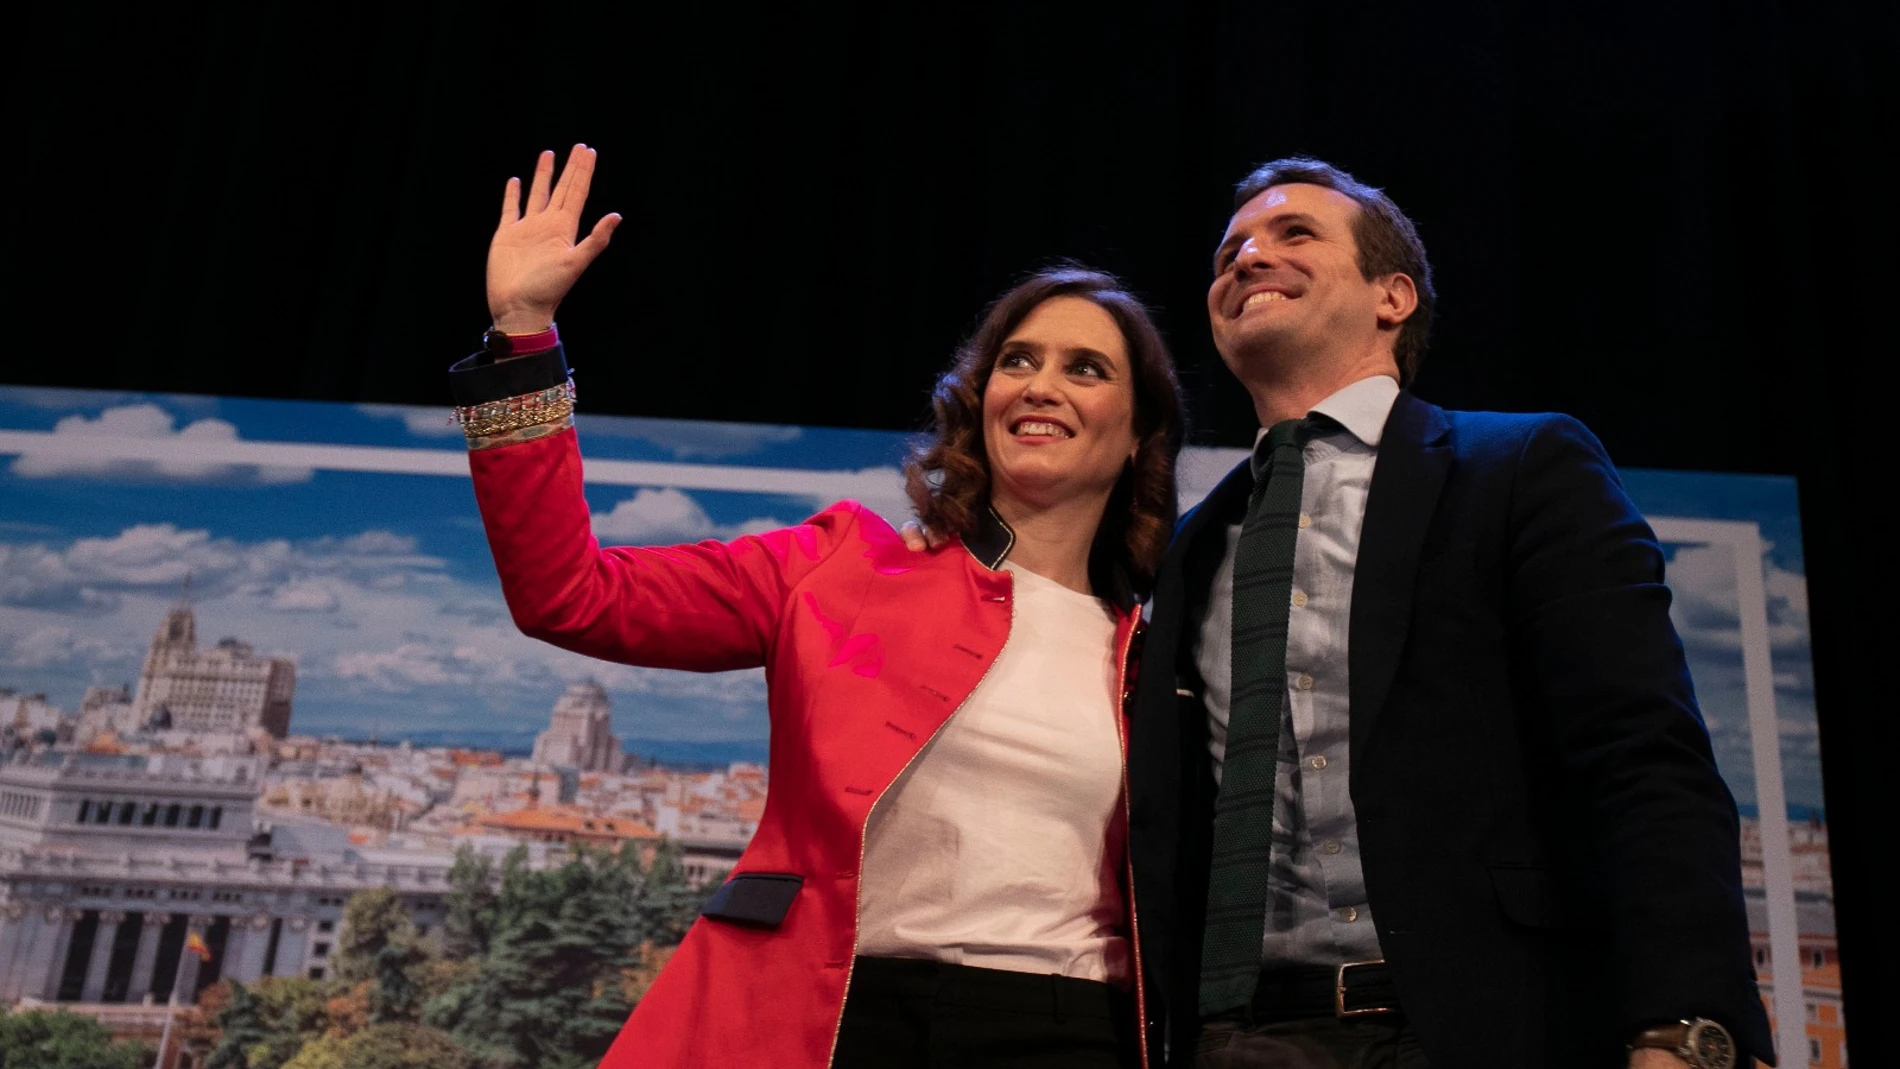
(1699, 1041)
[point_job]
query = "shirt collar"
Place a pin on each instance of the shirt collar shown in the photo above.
(1362, 408)
(992, 540)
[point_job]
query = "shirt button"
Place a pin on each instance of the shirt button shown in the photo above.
(1299, 599)
(1305, 521)
(1331, 846)
(1317, 763)
(1305, 682)
(1349, 914)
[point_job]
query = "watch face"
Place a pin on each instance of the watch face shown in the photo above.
(1710, 1046)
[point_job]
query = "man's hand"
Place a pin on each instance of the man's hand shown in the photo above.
(921, 539)
(1655, 1058)
(534, 260)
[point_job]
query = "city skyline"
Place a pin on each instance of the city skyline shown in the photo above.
(371, 571)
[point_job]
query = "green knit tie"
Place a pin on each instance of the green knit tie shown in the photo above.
(1243, 812)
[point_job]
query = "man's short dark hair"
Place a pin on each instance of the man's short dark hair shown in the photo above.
(1388, 242)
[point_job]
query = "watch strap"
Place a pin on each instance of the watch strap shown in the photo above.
(1670, 1037)
(1701, 1042)
(502, 346)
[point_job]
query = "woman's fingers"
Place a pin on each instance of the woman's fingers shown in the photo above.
(570, 193)
(543, 182)
(511, 201)
(596, 240)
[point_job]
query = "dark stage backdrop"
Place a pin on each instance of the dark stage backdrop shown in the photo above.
(1671, 223)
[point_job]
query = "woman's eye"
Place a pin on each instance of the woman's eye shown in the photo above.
(1088, 368)
(1013, 360)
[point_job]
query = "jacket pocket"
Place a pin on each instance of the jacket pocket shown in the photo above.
(1525, 895)
(754, 899)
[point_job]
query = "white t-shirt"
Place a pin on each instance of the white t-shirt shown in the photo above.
(992, 849)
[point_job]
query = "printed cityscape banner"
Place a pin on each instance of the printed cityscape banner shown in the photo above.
(256, 672)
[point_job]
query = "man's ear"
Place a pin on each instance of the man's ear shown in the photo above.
(1398, 299)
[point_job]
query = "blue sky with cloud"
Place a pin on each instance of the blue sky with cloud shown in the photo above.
(372, 572)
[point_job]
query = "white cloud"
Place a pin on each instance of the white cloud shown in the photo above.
(146, 422)
(303, 596)
(409, 665)
(380, 631)
(1702, 578)
(429, 422)
(275, 574)
(50, 645)
(666, 516)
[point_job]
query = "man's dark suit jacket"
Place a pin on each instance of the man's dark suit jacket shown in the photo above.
(1550, 857)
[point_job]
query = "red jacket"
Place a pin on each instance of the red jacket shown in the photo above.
(869, 649)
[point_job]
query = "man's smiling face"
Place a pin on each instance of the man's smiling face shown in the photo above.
(1287, 280)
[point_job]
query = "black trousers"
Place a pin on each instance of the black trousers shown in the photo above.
(908, 1014)
(1382, 1042)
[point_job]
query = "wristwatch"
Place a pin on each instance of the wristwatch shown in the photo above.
(1702, 1043)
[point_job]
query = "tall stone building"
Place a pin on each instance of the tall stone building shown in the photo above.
(109, 864)
(580, 734)
(227, 688)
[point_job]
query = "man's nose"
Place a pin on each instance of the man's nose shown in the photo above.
(1253, 256)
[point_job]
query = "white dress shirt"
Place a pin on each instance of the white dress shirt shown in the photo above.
(1316, 891)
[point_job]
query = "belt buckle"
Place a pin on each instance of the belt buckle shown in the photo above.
(1339, 992)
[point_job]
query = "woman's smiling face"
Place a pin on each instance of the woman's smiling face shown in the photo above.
(1059, 409)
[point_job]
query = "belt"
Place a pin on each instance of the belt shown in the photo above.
(1355, 989)
(975, 987)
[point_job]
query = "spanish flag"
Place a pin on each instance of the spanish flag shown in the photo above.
(196, 944)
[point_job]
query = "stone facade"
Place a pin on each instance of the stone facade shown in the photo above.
(580, 733)
(108, 865)
(227, 688)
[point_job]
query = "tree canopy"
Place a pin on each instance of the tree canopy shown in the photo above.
(55, 1039)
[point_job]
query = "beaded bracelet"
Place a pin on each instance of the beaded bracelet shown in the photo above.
(552, 405)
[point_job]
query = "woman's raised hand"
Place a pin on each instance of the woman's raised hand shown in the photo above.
(534, 260)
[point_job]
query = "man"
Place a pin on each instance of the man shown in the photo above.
(1430, 652)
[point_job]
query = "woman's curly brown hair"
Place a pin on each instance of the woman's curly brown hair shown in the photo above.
(947, 473)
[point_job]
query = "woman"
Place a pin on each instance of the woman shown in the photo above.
(940, 868)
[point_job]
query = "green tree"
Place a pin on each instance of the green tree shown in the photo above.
(45, 1039)
(550, 992)
(378, 942)
(385, 1046)
(373, 920)
(266, 1024)
(242, 1024)
(323, 1052)
(664, 903)
(469, 910)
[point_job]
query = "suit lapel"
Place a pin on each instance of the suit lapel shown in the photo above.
(1414, 457)
(1201, 540)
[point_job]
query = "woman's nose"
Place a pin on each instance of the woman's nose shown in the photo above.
(1044, 387)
